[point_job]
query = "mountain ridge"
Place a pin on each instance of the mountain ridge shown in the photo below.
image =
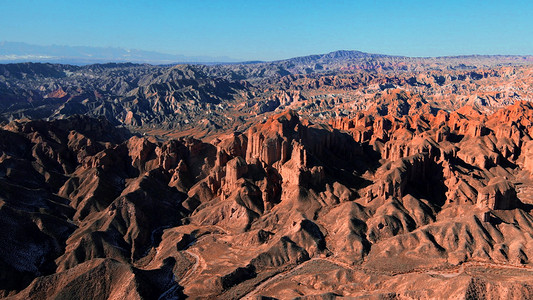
(13, 52)
(336, 175)
(19, 52)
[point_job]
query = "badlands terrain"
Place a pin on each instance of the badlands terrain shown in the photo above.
(339, 175)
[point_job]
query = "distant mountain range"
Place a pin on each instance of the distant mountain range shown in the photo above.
(13, 52)
(18, 52)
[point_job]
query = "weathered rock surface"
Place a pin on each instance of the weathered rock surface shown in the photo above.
(371, 204)
(419, 193)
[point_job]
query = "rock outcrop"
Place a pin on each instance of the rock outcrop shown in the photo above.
(292, 194)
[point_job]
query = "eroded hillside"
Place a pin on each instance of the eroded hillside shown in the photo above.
(289, 207)
(396, 178)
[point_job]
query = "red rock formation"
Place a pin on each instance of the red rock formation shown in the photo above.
(393, 196)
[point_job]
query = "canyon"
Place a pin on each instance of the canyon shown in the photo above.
(339, 175)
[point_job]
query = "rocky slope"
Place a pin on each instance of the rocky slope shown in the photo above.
(366, 177)
(368, 206)
(204, 101)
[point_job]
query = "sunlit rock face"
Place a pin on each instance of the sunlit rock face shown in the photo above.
(409, 197)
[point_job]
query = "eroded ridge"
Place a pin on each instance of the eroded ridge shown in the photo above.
(370, 205)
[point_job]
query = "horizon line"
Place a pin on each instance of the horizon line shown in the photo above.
(16, 58)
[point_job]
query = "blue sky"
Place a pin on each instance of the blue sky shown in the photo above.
(268, 30)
